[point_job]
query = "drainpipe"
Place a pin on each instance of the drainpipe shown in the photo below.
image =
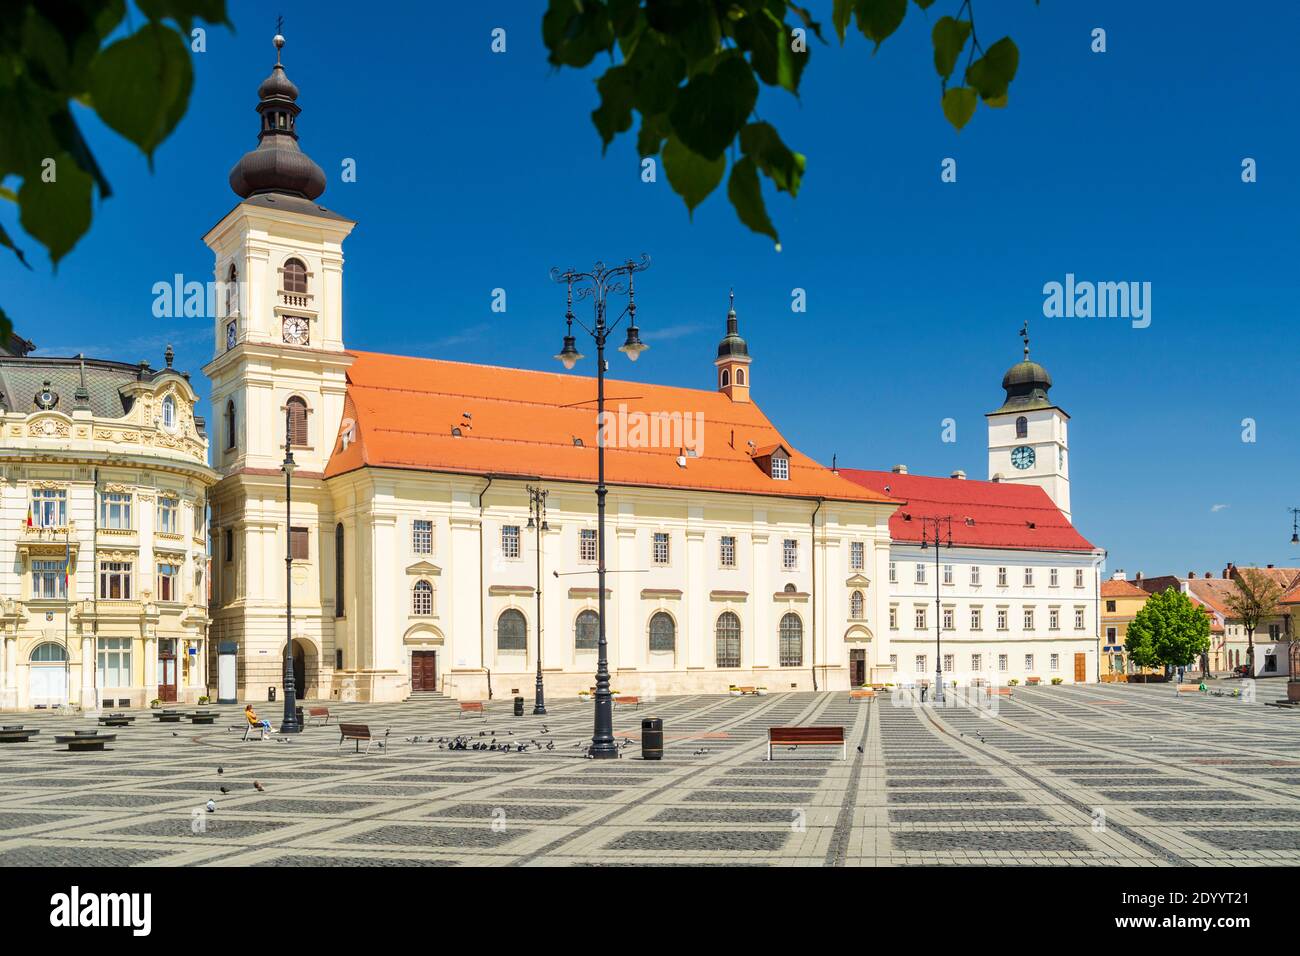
(482, 591)
(94, 583)
(813, 642)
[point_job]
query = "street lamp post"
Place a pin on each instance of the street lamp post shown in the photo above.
(598, 285)
(936, 523)
(537, 521)
(289, 724)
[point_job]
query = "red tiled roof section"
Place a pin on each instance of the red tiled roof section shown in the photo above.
(1002, 515)
(1121, 589)
(524, 423)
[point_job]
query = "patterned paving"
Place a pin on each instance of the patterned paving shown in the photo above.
(1086, 775)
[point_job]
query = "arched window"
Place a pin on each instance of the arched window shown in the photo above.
(169, 412)
(232, 285)
(295, 276)
(422, 598)
(586, 631)
(740, 376)
(512, 631)
(338, 570)
(1022, 427)
(727, 634)
(49, 653)
(791, 641)
(726, 378)
(855, 605)
(297, 411)
(230, 423)
(791, 589)
(663, 632)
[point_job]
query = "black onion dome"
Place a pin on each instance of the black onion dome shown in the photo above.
(732, 345)
(277, 165)
(1026, 373)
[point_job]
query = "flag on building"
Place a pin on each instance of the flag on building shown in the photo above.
(29, 514)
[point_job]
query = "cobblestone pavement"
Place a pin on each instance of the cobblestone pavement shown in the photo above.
(1073, 775)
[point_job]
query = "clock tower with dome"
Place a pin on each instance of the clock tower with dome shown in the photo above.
(1028, 434)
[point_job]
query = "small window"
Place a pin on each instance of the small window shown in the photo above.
(298, 544)
(1053, 619)
(948, 619)
(586, 631)
(296, 410)
(976, 662)
(169, 412)
(1022, 427)
(1078, 577)
(1002, 662)
(780, 467)
(295, 276)
(920, 574)
(422, 536)
(49, 507)
(893, 573)
(230, 424)
(338, 572)
(510, 541)
(857, 556)
(1029, 619)
(948, 663)
(727, 639)
(587, 545)
(920, 664)
(1078, 619)
(727, 551)
(422, 598)
(1053, 578)
(947, 574)
(789, 554)
(663, 632)
(115, 580)
(168, 515)
(1002, 619)
(230, 544)
(1110, 607)
(232, 290)
(48, 581)
(920, 619)
(726, 378)
(975, 575)
(48, 653)
(1054, 662)
(976, 619)
(856, 605)
(740, 376)
(1029, 577)
(115, 510)
(512, 631)
(660, 554)
(791, 635)
(168, 575)
(1029, 663)
(893, 618)
(1002, 577)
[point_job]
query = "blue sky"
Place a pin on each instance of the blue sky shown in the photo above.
(478, 170)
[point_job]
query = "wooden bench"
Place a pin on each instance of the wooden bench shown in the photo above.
(17, 735)
(471, 707)
(318, 713)
(358, 733)
(1000, 692)
(862, 694)
(1187, 689)
(628, 701)
(746, 690)
(807, 737)
(85, 741)
(1033, 681)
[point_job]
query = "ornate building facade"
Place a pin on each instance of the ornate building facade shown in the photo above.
(103, 482)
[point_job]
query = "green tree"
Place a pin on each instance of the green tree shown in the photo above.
(1169, 631)
(691, 71)
(1254, 602)
(52, 53)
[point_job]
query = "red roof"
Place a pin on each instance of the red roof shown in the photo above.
(985, 514)
(1119, 589)
(543, 424)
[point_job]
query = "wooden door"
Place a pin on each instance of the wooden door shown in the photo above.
(857, 667)
(424, 671)
(1080, 668)
(167, 671)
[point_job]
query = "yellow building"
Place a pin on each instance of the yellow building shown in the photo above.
(1120, 602)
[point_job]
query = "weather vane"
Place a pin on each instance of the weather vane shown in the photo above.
(1024, 334)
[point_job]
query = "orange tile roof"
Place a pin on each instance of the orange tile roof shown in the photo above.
(523, 424)
(1119, 589)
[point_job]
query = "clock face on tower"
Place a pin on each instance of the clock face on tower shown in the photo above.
(1022, 457)
(295, 330)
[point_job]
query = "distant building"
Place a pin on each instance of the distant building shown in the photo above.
(1120, 602)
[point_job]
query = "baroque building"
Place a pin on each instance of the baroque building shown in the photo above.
(103, 480)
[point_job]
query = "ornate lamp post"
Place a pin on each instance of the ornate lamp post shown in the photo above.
(1293, 682)
(936, 523)
(537, 521)
(289, 724)
(598, 285)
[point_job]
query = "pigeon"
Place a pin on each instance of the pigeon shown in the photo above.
(175, 734)
(550, 745)
(212, 806)
(225, 789)
(258, 787)
(220, 770)
(544, 729)
(860, 750)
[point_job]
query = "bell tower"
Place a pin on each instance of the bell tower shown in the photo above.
(733, 359)
(1028, 435)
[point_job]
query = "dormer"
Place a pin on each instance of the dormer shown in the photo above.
(774, 460)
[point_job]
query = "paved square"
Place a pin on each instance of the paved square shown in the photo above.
(1072, 775)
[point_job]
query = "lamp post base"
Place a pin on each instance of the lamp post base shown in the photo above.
(603, 752)
(539, 709)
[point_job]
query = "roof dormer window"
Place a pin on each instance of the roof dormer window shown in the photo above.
(780, 467)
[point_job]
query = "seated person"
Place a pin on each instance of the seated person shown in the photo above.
(255, 720)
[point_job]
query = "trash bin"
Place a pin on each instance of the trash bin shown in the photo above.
(297, 713)
(652, 738)
(270, 694)
(519, 706)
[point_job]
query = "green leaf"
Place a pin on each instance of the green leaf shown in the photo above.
(9, 243)
(949, 37)
(657, 70)
(712, 107)
(614, 115)
(184, 12)
(747, 197)
(6, 328)
(56, 214)
(762, 143)
(768, 41)
(692, 176)
(693, 27)
(575, 32)
(924, 4)
(140, 85)
(841, 15)
(959, 105)
(804, 14)
(877, 19)
(992, 73)
(654, 130)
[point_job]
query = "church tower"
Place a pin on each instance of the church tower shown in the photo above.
(733, 359)
(279, 376)
(1028, 438)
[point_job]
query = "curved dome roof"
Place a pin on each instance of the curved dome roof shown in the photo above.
(1026, 373)
(732, 345)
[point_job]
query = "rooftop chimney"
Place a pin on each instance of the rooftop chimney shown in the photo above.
(899, 469)
(958, 474)
(1191, 574)
(1118, 575)
(1138, 577)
